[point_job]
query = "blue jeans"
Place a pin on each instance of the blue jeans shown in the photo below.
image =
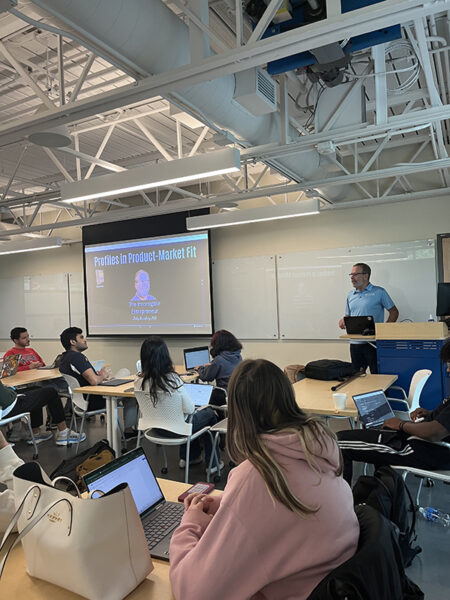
(202, 418)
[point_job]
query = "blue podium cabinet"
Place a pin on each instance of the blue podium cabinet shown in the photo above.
(404, 348)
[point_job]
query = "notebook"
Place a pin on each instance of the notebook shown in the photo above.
(360, 325)
(158, 516)
(373, 408)
(199, 393)
(196, 356)
(10, 365)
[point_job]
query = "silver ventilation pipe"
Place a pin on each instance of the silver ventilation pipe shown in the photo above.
(149, 35)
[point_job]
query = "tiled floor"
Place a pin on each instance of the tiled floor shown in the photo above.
(429, 569)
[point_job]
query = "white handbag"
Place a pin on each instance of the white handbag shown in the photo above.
(94, 547)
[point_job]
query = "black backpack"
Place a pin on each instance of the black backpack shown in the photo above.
(387, 492)
(328, 370)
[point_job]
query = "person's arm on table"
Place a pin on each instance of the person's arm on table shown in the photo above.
(9, 461)
(213, 556)
(432, 431)
(208, 372)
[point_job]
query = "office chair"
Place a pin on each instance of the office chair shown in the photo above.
(403, 406)
(5, 420)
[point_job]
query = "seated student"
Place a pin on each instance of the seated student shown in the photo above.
(30, 358)
(164, 386)
(393, 445)
(226, 353)
(33, 401)
(9, 461)
(74, 363)
(285, 519)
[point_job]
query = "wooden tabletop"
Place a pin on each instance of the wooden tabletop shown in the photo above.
(354, 336)
(16, 584)
(315, 396)
(31, 376)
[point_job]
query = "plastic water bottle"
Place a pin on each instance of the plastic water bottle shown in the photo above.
(435, 515)
(430, 318)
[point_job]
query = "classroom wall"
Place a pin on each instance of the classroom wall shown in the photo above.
(403, 221)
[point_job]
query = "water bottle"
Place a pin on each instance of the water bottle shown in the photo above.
(430, 318)
(435, 515)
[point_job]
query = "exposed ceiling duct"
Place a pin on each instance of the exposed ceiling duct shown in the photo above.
(138, 30)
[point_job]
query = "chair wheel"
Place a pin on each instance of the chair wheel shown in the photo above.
(124, 450)
(102, 418)
(217, 478)
(35, 456)
(429, 482)
(164, 470)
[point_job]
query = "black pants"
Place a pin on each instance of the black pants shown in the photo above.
(33, 401)
(364, 355)
(386, 447)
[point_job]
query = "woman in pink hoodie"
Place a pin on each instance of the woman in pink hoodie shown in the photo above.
(285, 519)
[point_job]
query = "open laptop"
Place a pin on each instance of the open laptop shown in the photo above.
(363, 325)
(10, 365)
(373, 408)
(199, 393)
(115, 382)
(196, 356)
(159, 517)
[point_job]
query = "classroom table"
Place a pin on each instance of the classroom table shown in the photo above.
(315, 396)
(112, 395)
(31, 376)
(15, 583)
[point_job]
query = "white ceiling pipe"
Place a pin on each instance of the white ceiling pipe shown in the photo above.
(150, 35)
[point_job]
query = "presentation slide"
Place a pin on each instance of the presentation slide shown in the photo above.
(158, 285)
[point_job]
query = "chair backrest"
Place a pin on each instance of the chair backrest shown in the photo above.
(123, 372)
(418, 380)
(375, 572)
(77, 397)
(165, 415)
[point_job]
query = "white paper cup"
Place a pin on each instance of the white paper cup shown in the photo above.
(339, 400)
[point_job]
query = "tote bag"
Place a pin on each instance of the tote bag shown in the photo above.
(94, 547)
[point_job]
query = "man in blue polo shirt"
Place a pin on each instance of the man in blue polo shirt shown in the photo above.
(365, 300)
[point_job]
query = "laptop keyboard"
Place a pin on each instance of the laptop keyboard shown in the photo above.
(168, 518)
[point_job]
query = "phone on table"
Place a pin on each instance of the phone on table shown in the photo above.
(201, 487)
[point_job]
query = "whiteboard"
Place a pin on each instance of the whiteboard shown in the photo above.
(76, 295)
(41, 304)
(245, 297)
(313, 285)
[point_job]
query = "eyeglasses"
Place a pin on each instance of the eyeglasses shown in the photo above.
(355, 274)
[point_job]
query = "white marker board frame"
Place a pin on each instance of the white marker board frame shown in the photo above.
(245, 297)
(313, 285)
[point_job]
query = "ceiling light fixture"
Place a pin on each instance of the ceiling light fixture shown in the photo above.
(30, 245)
(254, 215)
(192, 168)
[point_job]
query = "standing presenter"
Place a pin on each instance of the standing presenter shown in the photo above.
(366, 300)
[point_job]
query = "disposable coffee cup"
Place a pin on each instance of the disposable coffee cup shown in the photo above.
(339, 401)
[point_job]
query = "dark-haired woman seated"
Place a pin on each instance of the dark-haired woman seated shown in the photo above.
(226, 354)
(165, 389)
(285, 519)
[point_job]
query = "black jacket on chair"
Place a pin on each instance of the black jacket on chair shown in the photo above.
(376, 571)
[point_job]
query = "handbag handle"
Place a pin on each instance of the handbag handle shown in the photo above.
(63, 478)
(91, 497)
(30, 525)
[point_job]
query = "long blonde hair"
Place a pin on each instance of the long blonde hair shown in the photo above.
(261, 400)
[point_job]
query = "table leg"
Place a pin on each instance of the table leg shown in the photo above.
(115, 432)
(109, 411)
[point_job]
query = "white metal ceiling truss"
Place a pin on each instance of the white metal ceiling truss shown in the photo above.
(119, 118)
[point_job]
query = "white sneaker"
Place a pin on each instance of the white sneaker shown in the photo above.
(64, 437)
(214, 469)
(194, 461)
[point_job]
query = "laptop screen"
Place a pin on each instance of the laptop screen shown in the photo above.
(132, 468)
(356, 325)
(199, 393)
(196, 356)
(373, 408)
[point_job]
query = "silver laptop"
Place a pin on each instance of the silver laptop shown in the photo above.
(198, 392)
(196, 356)
(373, 408)
(159, 517)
